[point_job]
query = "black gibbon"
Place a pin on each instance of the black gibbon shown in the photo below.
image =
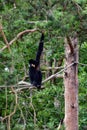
(34, 66)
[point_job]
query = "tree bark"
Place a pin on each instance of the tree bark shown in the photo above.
(71, 83)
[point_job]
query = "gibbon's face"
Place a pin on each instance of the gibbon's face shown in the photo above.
(32, 63)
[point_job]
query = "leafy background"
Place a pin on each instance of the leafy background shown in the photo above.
(44, 109)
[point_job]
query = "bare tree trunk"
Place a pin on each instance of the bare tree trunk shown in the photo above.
(71, 83)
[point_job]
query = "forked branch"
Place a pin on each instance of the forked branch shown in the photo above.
(18, 36)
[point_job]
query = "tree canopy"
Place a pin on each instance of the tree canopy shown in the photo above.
(32, 109)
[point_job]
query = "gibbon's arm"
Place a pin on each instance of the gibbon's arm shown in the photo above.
(40, 48)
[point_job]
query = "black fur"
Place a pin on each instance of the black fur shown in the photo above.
(34, 69)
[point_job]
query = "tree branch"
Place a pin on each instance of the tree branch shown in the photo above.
(18, 36)
(16, 102)
(53, 68)
(4, 37)
(29, 86)
(26, 85)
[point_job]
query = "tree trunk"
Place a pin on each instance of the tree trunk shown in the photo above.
(71, 83)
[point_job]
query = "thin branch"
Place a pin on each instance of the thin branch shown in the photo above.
(78, 7)
(4, 37)
(9, 123)
(18, 36)
(22, 115)
(6, 100)
(52, 76)
(16, 101)
(53, 68)
(15, 107)
(23, 82)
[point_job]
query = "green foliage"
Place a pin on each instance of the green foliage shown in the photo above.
(81, 1)
(48, 105)
(19, 127)
(58, 19)
(83, 99)
(2, 127)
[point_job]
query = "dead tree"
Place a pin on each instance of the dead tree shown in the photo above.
(71, 83)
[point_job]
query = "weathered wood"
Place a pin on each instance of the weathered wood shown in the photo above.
(71, 84)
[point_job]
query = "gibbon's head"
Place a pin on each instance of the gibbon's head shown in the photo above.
(33, 63)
